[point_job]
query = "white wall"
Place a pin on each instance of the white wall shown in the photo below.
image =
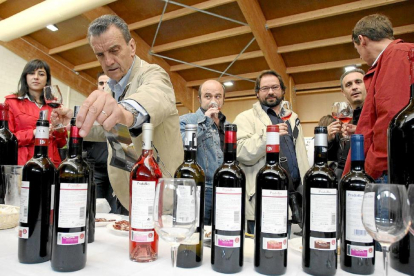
(11, 67)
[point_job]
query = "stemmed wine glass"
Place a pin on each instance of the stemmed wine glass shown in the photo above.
(386, 214)
(285, 110)
(343, 112)
(175, 214)
(53, 98)
(411, 199)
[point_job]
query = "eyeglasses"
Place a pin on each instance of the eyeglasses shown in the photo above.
(102, 82)
(267, 88)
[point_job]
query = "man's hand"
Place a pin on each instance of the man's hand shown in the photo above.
(333, 129)
(103, 108)
(212, 112)
(283, 129)
(61, 115)
(348, 130)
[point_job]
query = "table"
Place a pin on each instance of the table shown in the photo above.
(108, 256)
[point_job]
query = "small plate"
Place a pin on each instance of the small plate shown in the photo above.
(111, 228)
(295, 244)
(207, 232)
(108, 217)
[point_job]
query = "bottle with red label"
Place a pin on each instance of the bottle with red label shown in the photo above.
(271, 212)
(229, 191)
(71, 214)
(8, 146)
(143, 240)
(36, 205)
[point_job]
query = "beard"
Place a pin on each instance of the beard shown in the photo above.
(271, 102)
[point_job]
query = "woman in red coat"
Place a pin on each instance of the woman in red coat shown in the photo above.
(25, 106)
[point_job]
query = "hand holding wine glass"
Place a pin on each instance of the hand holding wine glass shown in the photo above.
(285, 110)
(175, 214)
(386, 214)
(53, 98)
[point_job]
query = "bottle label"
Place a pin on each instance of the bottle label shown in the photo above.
(24, 201)
(228, 209)
(321, 140)
(322, 243)
(364, 252)
(72, 205)
(142, 236)
(193, 240)
(190, 141)
(70, 238)
(323, 210)
(24, 232)
(186, 205)
(275, 243)
(227, 241)
(142, 204)
(52, 203)
(274, 211)
(355, 230)
(272, 142)
(42, 136)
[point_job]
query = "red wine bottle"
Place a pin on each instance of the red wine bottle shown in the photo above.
(319, 242)
(8, 146)
(401, 171)
(229, 192)
(190, 252)
(271, 212)
(71, 207)
(357, 246)
(38, 181)
(143, 240)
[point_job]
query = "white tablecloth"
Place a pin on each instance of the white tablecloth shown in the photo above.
(108, 255)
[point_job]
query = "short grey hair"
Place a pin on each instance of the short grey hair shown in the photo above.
(356, 70)
(102, 24)
(200, 88)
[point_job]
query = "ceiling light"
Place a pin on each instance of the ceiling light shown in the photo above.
(349, 68)
(52, 27)
(228, 83)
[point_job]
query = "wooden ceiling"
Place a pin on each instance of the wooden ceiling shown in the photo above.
(307, 41)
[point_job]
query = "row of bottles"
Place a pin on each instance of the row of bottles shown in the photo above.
(55, 204)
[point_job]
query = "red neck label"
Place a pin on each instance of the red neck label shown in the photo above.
(230, 137)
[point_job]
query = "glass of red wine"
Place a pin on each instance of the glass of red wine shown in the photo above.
(53, 98)
(343, 112)
(285, 110)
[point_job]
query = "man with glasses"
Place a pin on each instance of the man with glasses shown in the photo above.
(251, 142)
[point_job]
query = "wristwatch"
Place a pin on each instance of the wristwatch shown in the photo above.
(131, 109)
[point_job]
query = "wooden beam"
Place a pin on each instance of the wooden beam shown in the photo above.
(324, 66)
(329, 12)
(255, 17)
(335, 41)
(89, 65)
(238, 94)
(241, 99)
(2, 1)
(319, 91)
(317, 85)
(253, 75)
(202, 39)
(68, 46)
(25, 49)
(178, 13)
(219, 60)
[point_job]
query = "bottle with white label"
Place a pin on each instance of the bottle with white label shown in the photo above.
(357, 246)
(38, 180)
(320, 201)
(271, 212)
(229, 192)
(71, 216)
(143, 240)
(190, 252)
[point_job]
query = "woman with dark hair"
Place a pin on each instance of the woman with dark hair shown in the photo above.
(25, 106)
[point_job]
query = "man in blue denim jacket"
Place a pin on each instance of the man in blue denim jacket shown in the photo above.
(210, 135)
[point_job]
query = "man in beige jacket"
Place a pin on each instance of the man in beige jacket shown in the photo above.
(251, 142)
(137, 92)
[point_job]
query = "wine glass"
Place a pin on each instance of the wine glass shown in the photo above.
(53, 98)
(386, 214)
(411, 199)
(334, 110)
(176, 213)
(285, 110)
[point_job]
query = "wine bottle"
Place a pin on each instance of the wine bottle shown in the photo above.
(319, 242)
(38, 181)
(143, 240)
(190, 252)
(271, 212)
(229, 192)
(400, 171)
(8, 146)
(357, 246)
(71, 214)
(92, 201)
